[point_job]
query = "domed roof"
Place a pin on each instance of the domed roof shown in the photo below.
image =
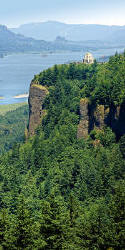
(88, 54)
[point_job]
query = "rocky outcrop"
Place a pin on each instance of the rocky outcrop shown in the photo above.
(37, 96)
(83, 127)
(100, 116)
(91, 117)
(97, 117)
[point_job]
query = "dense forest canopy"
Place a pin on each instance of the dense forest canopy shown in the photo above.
(60, 192)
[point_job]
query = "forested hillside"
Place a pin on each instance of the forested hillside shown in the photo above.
(12, 127)
(60, 192)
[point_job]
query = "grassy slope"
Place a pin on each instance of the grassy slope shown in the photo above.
(10, 107)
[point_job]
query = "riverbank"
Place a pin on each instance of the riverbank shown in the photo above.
(21, 96)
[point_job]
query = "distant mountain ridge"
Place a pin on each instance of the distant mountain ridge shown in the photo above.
(76, 32)
(11, 42)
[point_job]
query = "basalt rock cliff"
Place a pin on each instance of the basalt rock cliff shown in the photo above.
(37, 96)
(91, 116)
(99, 116)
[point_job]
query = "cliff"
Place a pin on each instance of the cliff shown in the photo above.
(83, 127)
(37, 96)
(91, 117)
(97, 117)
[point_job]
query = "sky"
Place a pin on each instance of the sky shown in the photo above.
(16, 12)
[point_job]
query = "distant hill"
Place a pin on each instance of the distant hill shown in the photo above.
(44, 30)
(11, 42)
(75, 32)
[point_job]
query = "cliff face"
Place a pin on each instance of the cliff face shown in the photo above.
(83, 127)
(37, 96)
(100, 116)
(91, 117)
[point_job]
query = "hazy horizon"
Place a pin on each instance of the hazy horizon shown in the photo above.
(104, 12)
(61, 22)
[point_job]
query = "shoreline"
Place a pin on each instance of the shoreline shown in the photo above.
(21, 96)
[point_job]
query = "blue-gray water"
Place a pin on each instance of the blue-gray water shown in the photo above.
(17, 70)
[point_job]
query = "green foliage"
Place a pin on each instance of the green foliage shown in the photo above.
(110, 87)
(10, 107)
(106, 136)
(12, 126)
(58, 192)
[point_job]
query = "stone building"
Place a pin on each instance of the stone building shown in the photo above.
(88, 58)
